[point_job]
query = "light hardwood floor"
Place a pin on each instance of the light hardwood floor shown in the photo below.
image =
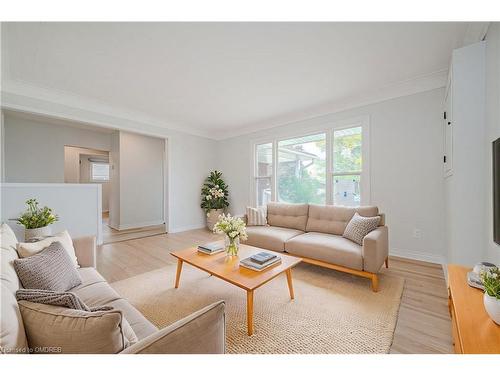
(423, 326)
(110, 235)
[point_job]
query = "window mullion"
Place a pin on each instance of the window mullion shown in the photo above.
(275, 172)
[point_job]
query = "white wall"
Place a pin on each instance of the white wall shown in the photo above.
(77, 205)
(190, 157)
(406, 168)
(492, 128)
(114, 175)
(34, 149)
(141, 180)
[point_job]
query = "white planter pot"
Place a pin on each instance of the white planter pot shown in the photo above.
(30, 234)
(212, 217)
(492, 306)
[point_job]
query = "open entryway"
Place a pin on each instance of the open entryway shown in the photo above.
(132, 176)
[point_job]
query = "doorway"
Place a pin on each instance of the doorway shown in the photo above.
(111, 169)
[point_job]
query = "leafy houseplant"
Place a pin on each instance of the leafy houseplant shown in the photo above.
(491, 282)
(36, 220)
(234, 229)
(214, 197)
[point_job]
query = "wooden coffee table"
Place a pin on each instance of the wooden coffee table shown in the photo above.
(228, 269)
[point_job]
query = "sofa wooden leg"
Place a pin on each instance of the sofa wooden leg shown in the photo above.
(387, 262)
(375, 283)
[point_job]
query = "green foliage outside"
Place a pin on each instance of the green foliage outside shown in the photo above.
(36, 217)
(214, 193)
(347, 155)
(303, 189)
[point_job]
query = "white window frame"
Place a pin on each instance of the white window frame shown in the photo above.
(328, 128)
(365, 160)
(255, 177)
(92, 174)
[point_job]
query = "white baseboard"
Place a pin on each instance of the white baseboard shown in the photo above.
(139, 225)
(186, 228)
(418, 255)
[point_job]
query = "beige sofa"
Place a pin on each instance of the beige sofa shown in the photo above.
(314, 233)
(200, 332)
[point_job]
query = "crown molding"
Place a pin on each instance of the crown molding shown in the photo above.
(25, 97)
(408, 87)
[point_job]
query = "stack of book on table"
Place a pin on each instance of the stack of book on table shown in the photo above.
(260, 261)
(211, 248)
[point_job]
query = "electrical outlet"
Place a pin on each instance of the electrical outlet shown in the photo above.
(417, 233)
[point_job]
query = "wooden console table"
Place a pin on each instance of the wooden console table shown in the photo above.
(473, 330)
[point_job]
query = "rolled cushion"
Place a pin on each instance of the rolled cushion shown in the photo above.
(359, 227)
(270, 238)
(293, 216)
(50, 269)
(55, 329)
(27, 249)
(334, 219)
(328, 248)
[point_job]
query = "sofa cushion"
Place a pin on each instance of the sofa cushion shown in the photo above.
(67, 330)
(8, 253)
(270, 238)
(97, 294)
(327, 248)
(141, 326)
(95, 291)
(334, 219)
(12, 334)
(27, 249)
(293, 216)
(50, 269)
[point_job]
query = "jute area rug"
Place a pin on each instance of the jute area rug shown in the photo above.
(332, 312)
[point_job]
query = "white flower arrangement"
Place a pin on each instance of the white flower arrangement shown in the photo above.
(233, 227)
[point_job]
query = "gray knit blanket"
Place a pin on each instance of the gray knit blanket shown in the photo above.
(50, 297)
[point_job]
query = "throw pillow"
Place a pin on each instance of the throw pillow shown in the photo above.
(56, 329)
(27, 249)
(51, 297)
(359, 227)
(50, 269)
(257, 216)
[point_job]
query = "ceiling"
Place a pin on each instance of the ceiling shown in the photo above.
(218, 78)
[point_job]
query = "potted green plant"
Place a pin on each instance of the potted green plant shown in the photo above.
(234, 229)
(214, 197)
(491, 282)
(36, 220)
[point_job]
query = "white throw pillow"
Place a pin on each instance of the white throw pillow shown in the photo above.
(26, 249)
(257, 216)
(359, 227)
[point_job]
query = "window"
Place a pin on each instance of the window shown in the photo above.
(347, 166)
(327, 167)
(302, 169)
(99, 172)
(263, 173)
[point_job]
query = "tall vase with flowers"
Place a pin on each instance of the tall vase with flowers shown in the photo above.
(234, 229)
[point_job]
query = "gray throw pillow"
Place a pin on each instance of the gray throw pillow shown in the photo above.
(50, 269)
(359, 227)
